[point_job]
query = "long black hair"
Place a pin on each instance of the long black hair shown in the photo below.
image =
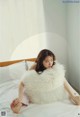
(40, 58)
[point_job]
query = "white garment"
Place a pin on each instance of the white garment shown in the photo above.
(46, 87)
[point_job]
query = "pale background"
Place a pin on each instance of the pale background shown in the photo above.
(27, 26)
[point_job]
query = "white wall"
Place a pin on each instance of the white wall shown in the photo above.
(30, 47)
(73, 37)
(55, 17)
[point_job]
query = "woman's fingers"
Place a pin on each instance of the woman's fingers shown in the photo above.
(16, 101)
(17, 108)
(77, 100)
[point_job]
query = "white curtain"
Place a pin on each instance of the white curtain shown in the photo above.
(19, 20)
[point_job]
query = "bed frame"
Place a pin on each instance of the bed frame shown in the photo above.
(6, 63)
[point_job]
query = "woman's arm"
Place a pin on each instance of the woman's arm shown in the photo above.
(17, 104)
(21, 91)
(73, 94)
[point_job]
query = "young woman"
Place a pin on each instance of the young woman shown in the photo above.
(44, 63)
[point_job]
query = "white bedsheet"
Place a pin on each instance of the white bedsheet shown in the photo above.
(9, 91)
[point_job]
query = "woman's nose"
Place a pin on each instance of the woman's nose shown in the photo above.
(49, 63)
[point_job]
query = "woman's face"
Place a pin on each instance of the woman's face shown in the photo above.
(48, 62)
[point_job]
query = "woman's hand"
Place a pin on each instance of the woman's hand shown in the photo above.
(76, 99)
(16, 105)
(15, 102)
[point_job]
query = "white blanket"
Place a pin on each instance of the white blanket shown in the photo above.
(46, 87)
(9, 91)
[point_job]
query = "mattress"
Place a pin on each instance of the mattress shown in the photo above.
(9, 91)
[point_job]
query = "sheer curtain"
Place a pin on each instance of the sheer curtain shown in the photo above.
(19, 20)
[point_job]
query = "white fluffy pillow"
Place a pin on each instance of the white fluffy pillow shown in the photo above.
(13, 72)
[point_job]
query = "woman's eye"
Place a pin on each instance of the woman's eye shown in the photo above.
(46, 61)
(51, 59)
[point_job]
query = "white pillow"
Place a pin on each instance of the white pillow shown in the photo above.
(13, 72)
(4, 75)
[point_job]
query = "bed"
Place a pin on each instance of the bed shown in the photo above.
(9, 91)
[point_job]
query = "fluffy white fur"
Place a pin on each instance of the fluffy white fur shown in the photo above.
(46, 87)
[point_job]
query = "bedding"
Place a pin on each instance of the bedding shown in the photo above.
(13, 72)
(9, 91)
(63, 108)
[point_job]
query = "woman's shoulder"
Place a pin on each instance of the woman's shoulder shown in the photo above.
(33, 66)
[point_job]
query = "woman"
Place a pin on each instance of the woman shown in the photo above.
(46, 67)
